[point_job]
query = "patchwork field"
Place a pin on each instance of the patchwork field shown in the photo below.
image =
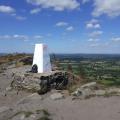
(104, 69)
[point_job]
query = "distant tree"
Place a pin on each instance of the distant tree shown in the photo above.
(81, 71)
(53, 57)
(55, 62)
(69, 68)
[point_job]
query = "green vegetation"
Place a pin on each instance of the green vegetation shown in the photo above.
(104, 70)
(45, 112)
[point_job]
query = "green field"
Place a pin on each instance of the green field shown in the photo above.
(106, 72)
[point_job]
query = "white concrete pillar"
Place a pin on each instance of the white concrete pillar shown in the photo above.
(42, 58)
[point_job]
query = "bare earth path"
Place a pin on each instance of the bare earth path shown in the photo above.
(97, 108)
(91, 109)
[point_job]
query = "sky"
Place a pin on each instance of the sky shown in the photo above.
(65, 26)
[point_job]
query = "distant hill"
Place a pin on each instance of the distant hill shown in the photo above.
(86, 56)
(2, 54)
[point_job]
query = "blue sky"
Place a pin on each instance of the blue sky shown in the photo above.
(66, 26)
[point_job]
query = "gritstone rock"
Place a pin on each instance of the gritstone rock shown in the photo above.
(56, 96)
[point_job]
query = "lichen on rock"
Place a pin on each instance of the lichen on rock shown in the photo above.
(40, 83)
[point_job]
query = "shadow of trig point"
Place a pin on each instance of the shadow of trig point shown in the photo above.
(42, 58)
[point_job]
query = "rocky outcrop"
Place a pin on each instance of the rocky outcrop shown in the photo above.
(85, 90)
(25, 81)
(14, 113)
(41, 83)
(92, 89)
(2, 68)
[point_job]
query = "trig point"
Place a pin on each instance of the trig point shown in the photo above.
(42, 58)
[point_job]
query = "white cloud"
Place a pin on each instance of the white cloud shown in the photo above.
(108, 7)
(13, 14)
(20, 18)
(6, 9)
(93, 24)
(49, 35)
(61, 24)
(93, 40)
(94, 45)
(38, 37)
(100, 45)
(85, 1)
(35, 11)
(20, 37)
(89, 25)
(70, 28)
(14, 37)
(11, 11)
(97, 26)
(57, 5)
(93, 21)
(116, 39)
(96, 34)
(2, 37)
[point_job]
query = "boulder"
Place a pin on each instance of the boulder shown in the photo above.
(89, 85)
(77, 93)
(8, 88)
(6, 113)
(100, 92)
(21, 81)
(3, 109)
(114, 91)
(89, 89)
(41, 83)
(85, 90)
(56, 96)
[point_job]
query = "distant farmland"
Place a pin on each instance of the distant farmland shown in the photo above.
(102, 68)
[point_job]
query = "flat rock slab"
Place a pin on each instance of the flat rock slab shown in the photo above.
(56, 96)
(30, 99)
(91, 84)
(3, 109)
(100, 92)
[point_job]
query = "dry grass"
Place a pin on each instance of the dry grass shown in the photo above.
(12, 57)
(18, 64)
